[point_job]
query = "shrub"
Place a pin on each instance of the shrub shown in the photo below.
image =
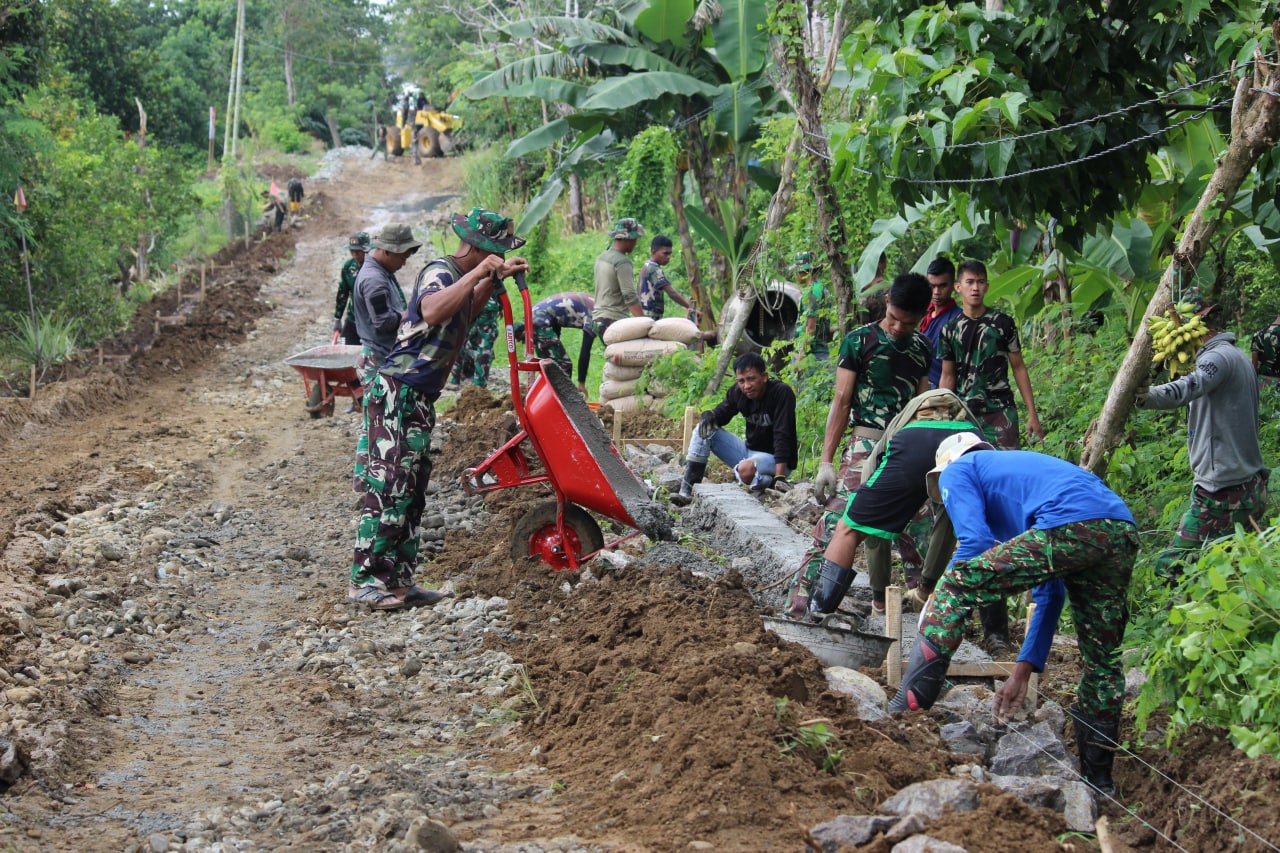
(1216, 660)
(283, 135)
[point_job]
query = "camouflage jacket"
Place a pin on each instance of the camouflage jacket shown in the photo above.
(1266, 346)
(424, 354)
(980, 348)
(563, 311)
(346, 281)
(653, 280)
(889, 373)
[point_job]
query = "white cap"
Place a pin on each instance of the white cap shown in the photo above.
(951, 449)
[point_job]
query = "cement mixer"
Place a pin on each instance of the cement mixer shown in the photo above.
(773, 316)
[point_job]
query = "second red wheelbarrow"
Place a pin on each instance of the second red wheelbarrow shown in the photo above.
(578, 462)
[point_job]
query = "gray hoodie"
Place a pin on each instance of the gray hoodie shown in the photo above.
(1221, 396)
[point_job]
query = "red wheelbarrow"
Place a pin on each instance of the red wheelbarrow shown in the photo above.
(579, 462)
(328, 372)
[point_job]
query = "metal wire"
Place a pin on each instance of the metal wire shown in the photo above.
(1032, 171)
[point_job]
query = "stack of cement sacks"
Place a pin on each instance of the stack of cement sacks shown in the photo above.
(632, 343)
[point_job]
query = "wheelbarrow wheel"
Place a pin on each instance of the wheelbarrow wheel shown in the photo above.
(314, 406)
(535, 535)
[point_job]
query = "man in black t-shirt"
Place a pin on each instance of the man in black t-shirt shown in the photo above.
(769, 451)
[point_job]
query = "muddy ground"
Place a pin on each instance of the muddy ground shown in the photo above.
(654, 712)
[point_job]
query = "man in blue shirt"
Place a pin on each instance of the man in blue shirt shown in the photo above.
(1023, 519)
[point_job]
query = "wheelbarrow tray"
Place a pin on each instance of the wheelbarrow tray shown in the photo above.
(579, 457)
(834, 641)
(328, 372)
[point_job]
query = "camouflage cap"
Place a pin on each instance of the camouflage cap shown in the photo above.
(397, 238)
(627, 229)
(359, 242)
(487, 230)
(803, 261)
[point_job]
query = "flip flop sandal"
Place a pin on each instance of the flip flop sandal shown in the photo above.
(416, 596)
(374, 598)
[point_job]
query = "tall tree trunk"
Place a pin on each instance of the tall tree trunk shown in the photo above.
(1255, 126)
(692, 270)
(779, 204)
(144, 238)
(333, 129)
(702, 165)
(577, 220)
(235, 119)
(805, 93)
(291, 96)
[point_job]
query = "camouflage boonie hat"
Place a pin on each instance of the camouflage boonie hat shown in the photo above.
(396, 238)
(486, 230)
(627, 229)
(804, 261)
(359, 242)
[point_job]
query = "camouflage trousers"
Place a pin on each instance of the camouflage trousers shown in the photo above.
(879, 555)
(1212, 515)
(547, 344)
(366, 369)
(1001, 428)
(476, 354)
(398, 422)
(1094, 560)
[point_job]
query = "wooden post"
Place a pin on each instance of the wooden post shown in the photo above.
(686, 435)
(202, 269)
(179, 290)
(893, 628)
(32, 395)
(1033, 683)
(155, 323)
(617, 429)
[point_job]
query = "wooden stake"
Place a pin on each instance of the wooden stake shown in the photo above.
(617, 429)
(893, 628)
(1105, 842)
(202, 269)
(32, 395)
(686, 436)
(1033, 683)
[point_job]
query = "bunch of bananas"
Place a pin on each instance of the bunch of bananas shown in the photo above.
(1175, 337)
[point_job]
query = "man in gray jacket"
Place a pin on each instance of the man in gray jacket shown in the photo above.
(1230, 481)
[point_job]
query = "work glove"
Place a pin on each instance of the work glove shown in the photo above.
(824, 485)
(707, 426)
(337, 324)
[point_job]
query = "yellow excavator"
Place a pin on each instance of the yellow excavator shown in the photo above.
(435, 128)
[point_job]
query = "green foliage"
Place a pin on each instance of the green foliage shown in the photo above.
(1217, 661)
(812, 741)
(950, 92)
(46, 342)
(645, 179)
(283, 135)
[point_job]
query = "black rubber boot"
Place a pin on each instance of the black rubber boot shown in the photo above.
(693, 474)
(1096, 741)
(994, 619)
(833, 584)
(922, 682)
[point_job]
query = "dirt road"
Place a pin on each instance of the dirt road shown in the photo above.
(179, 670)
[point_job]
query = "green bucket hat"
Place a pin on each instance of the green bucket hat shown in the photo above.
(397, 238)
(359, 242)
(486, 230)
(627, 229)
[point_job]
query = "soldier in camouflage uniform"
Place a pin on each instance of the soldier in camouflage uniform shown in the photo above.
(477, 353)
(1023, 519)
(344, 317)
(978, 349)
(1266, 352)
(881, 366)
(564, 311)
(615, 277)
(1230, 481)
(400, 406)
(378, 303)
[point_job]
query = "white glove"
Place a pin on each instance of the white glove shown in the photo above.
(824, 485)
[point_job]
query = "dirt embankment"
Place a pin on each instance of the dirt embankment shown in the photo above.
(174, 533)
